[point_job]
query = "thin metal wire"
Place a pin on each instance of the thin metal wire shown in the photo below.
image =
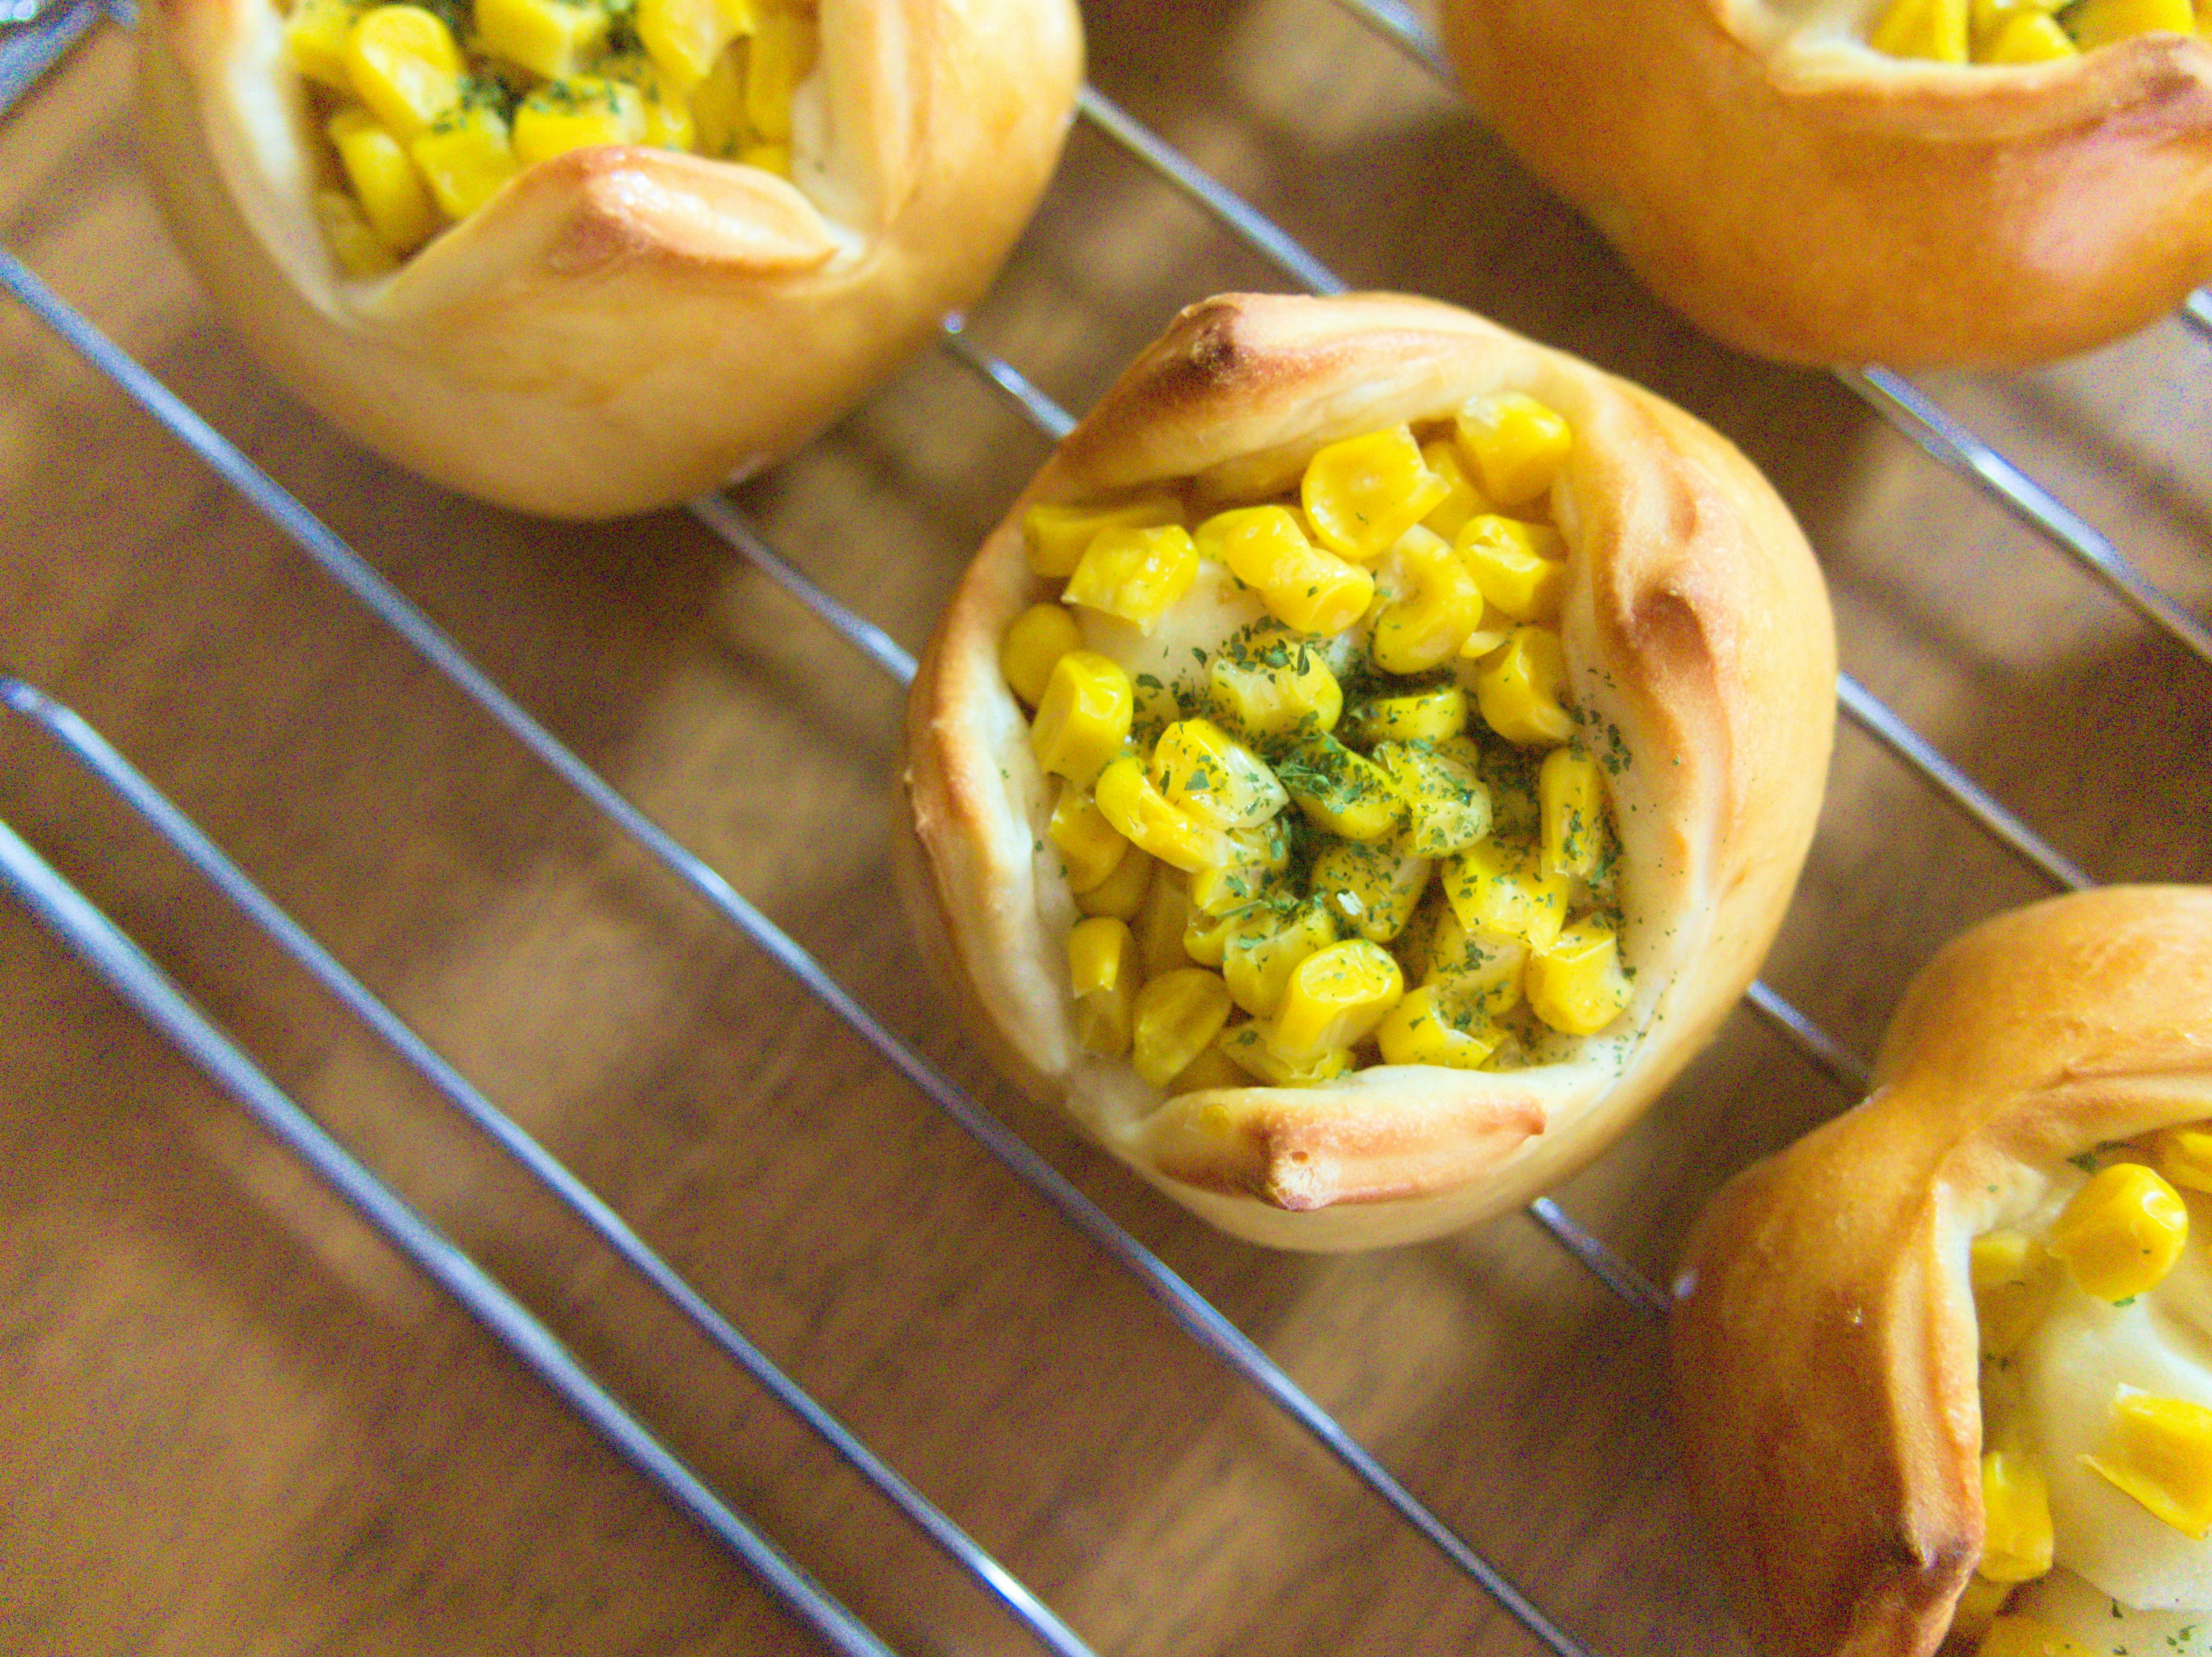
(1010, 382)
(1845, 1068)
(2196, 310)
(126, 970)
(92, 752)
(1398, 24)
(27, 54)
(1184, 1307)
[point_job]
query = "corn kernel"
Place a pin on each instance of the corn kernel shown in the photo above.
(1091, 847)
(1978, 1604)
(668, 123)
(1136, 573)
(1178, 1017)
(1362, 494)
(1083, 718)
(1424, 716)
(1257, 858)
(1492, 889)
(2120, 1234)
(1036, 641)
(465, 157)
(1248, 1045)
(1206, 938)
(2161, 1454)
(2015, 1518)
(1483, 969)
(402, 62)
(1274, 692)
(1519, 568)
(1516, 444)
(1571, 793)
(2029, 41)
(1462, 501)
(1374, 889)
(1522, 688)
(576, 114)
(1212, 1068)
(1058, 536)
(1575, 983)
(1335, 998)
(1102, 969)
(1303, 586)
(1447, 807)
(783, 45)
(2014, 1278)
(1935, 29)
(2183, 1155)
(1204, 771)
(2027, 1636)
(353, 244)
(315, 37)
(1430, 604)
(1432, 1026)
(2100, 23)
(718, 112)
(1159, 924)
(1262, 946)
(685, 38)
(551, 38)
(769, 157)
(1142, 813)
(1350, 795)
(392, 193)
(1121, 894)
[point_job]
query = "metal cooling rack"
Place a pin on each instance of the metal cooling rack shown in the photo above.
(41, 40)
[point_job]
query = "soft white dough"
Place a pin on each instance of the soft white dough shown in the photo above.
(1176, 650)
(2110, 1628)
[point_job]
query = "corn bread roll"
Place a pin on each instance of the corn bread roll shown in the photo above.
(1828, 1352)
(621, 326)
(1697, 651)
(1806, 198)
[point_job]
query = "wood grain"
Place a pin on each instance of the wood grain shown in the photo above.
(233, 1422)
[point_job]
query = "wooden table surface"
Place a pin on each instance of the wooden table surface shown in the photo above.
(233, 1421)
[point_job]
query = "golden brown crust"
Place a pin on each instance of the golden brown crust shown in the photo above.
(1815, 201)
(1695, 624)
(1824, 1337)
(621, 328)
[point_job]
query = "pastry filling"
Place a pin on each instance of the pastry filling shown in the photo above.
(429, 109)
(2025, 31)
(2095, 1319)
(1323, 801)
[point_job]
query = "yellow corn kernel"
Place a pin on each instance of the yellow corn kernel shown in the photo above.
(783, 45)
(769, 157)
(718, 113)
(1462, 501)
(1178, 1017)
(1427, 715)
(2161, 1454)
(1159, 924)
(2015, 1518)
(465, 157)
(668, 123)
(1102, 969)
(1482, 968)
(1058, 536)
(1492, 889)
(353, 243)
(1362, 494)
(1350, 795)
(1987, 18)
(1135, 573)
(2027, 1636)
(1248, 1045)
(1516, 444)
(1978, 1605)
(2014, 1278)
(2120, 1234)
(2100, 23)
(1935, 29)
(1141, 811)
(551, 38)
(1274, 691)
(1121, 894)
(2029, 39)
(402, 62)
(1207, 772)
(1083, 718)
(1575, 983)
(1036, 641)
(1262, 946)
(1447, 807)
(1335, 998)
(1091, 847)
(1206, 938)
(2183, 1155)
(315, 37)
(576, 114)
(392, 193)
(1430, 604)
(1522, 688)
(1519, 568)
(1211, 1068)
(1256, 858)
(1571, 794)
(1303, 586)
(1431, 1025)
(1375, 889)
(685, 38)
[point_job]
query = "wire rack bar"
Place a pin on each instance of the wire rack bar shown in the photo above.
(2196, 310)
(1842, 1066)
(1185, 1307)
(1009, 381)
(91, 751)
(125, 968)
(42, 40)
